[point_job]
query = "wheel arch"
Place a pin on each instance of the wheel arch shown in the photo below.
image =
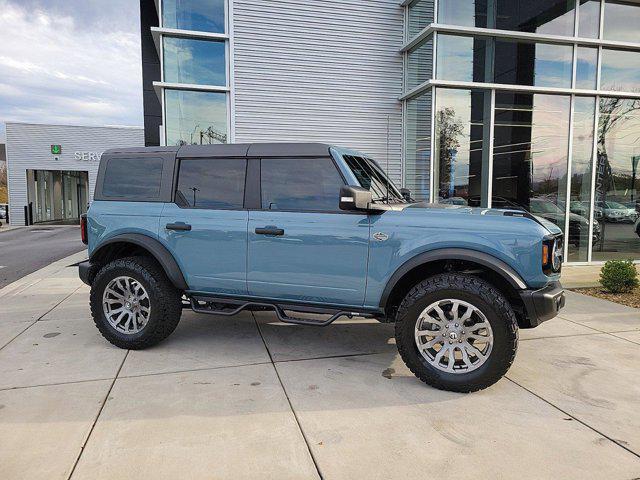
(430, 263)
(128, 244)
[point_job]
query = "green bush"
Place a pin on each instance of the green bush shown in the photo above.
(619, 276)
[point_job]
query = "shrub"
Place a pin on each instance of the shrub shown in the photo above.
(619, 276)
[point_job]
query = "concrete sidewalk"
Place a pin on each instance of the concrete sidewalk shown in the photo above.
(248, 397)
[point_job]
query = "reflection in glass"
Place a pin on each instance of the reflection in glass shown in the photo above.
(620, 70)
(420, 15)
(420, 64)
(195, 118)
(461, 58)
(617, 182)
(211, 183)
(418, 145)
(589, 19)
(584, 111)
(554, 17)
(586, 67)
(536, 64)
(199, 15)
(531, 138)
(460, 147)
(621, 20)
(200, 62)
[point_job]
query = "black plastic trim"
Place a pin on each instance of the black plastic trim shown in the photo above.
(159, 252)
(486, 260)
(543, 304)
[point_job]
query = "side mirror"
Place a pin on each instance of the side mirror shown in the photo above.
(355, 198)
(406, 194)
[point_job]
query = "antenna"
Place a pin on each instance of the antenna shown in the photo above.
(387, 172)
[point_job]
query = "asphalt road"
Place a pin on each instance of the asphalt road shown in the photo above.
(25, 250)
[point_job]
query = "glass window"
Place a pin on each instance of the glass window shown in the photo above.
(589, 19)
(537, 16)
(586, 67)
(461, 149)
(584, 112)
(531, 139)
(370, 176)
(420, 64)
(187, 60)
(535, 64)
(300, 184)
(418, 146)
(195, 118)
(211, 183)
(621, 20)
(617, 184)
(462, 58)
(133, 178)
(420, 15)
(620, 70)
(199, 15)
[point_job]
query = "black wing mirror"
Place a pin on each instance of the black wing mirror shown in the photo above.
(355, 198)
(406, 194)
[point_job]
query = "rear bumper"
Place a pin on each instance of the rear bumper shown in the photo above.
(543, 304)
(84, 272)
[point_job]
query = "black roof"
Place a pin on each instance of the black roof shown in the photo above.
(236, 150)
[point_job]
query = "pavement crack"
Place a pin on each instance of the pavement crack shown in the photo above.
(617, 442)
(286, 394)
(95, 421)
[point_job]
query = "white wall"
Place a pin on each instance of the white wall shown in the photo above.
(320, 70)
(29, 147)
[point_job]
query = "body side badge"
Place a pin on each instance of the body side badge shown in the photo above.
(380, 236)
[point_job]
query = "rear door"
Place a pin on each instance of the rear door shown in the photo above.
(206, 225)
(302, 247)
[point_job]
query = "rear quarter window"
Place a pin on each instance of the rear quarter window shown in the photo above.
(133, 178)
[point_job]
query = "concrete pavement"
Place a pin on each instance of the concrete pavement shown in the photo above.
(248, 397)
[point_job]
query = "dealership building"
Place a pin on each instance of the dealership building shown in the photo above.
(531, 104)
(51, 169)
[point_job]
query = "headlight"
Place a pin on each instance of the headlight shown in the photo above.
(552, 253)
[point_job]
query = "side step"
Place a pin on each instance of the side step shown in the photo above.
(229, 307)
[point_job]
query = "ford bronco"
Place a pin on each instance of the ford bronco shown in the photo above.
(306, 229)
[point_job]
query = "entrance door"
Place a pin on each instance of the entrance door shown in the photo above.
(206, 227)
(302, 247)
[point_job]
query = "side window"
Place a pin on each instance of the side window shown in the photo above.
(211, 183)
(300, 184)
(133, 178)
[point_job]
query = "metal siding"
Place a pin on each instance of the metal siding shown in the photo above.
(29, 147)
(320, 70)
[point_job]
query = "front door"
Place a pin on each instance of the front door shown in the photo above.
(206, 227)
(301, 246)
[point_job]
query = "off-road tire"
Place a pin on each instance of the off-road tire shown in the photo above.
(482, 295)
(165, 300)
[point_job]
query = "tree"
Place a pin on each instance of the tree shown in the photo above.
(448, 129)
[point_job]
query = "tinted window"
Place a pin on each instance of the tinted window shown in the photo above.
(133, 178)
(300, 184)
(211, 183)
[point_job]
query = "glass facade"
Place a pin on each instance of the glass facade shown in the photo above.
(196, 106)
(58, 196)
(548, 123)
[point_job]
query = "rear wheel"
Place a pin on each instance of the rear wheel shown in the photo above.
(456, 332)
(133, 303)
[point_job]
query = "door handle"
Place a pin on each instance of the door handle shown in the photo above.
(270, 231)
(178, 226)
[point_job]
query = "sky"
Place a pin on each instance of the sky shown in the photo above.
(74, 62)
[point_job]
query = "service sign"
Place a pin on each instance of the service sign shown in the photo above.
(88, 156)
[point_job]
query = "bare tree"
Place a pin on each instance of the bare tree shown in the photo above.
(448, 130)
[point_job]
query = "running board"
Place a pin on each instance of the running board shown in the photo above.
(229, 307)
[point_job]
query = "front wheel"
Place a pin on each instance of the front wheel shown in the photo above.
(133, 303)
(456, 332)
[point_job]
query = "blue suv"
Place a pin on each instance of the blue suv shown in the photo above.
(313, 229)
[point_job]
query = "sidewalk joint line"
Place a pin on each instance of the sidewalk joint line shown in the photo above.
(295, 415)
(55, 384)
(574, 417)
(95, 421)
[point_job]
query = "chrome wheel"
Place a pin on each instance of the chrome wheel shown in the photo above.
(453, 336)
(126, 305)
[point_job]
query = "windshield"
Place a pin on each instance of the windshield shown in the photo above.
(538, 206)
(373, 179)
(615, 205)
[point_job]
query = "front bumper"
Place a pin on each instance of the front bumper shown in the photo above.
(543, 304)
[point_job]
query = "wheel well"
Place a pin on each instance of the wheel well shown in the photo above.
(425, 270)
(115, 250)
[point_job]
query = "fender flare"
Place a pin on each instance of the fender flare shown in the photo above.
(484, 259)
(155, 248)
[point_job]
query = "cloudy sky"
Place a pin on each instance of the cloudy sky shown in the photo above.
(70, 62)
